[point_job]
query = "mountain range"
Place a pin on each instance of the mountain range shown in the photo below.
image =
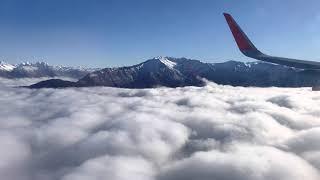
(41, 69)
(179, 72)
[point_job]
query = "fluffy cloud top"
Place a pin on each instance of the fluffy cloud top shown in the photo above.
(211, 132)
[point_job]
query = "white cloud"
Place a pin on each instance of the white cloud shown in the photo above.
(211, 132)
(244, 162)
(116, 168)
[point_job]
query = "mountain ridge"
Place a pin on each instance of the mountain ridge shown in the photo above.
(41, 69)
(179, 72)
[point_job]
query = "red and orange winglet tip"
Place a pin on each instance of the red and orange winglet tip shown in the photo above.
(240, 37)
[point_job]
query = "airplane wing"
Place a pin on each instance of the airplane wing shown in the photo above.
(249, 50)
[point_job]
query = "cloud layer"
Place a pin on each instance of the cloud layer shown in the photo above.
(211, 132)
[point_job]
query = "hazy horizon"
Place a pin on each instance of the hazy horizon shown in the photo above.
(90, 66)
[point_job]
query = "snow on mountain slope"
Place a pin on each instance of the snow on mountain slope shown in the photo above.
(160, 71)
(6, 66)
(30, 68)
(41, 69)
(167, 62)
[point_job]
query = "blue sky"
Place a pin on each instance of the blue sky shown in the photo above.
(101, 33)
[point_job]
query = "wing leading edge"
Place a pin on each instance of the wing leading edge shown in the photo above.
(249, 50)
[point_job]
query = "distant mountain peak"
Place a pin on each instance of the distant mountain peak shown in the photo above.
(170, 64)
(6, 66)
(41, 69)
(26, 63)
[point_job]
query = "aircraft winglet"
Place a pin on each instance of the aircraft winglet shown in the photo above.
(249, 50)
(243, 42)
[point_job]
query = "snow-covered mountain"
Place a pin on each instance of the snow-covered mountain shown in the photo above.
(6, 66)
(154, 72)
(41, 69)
(177, 72)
